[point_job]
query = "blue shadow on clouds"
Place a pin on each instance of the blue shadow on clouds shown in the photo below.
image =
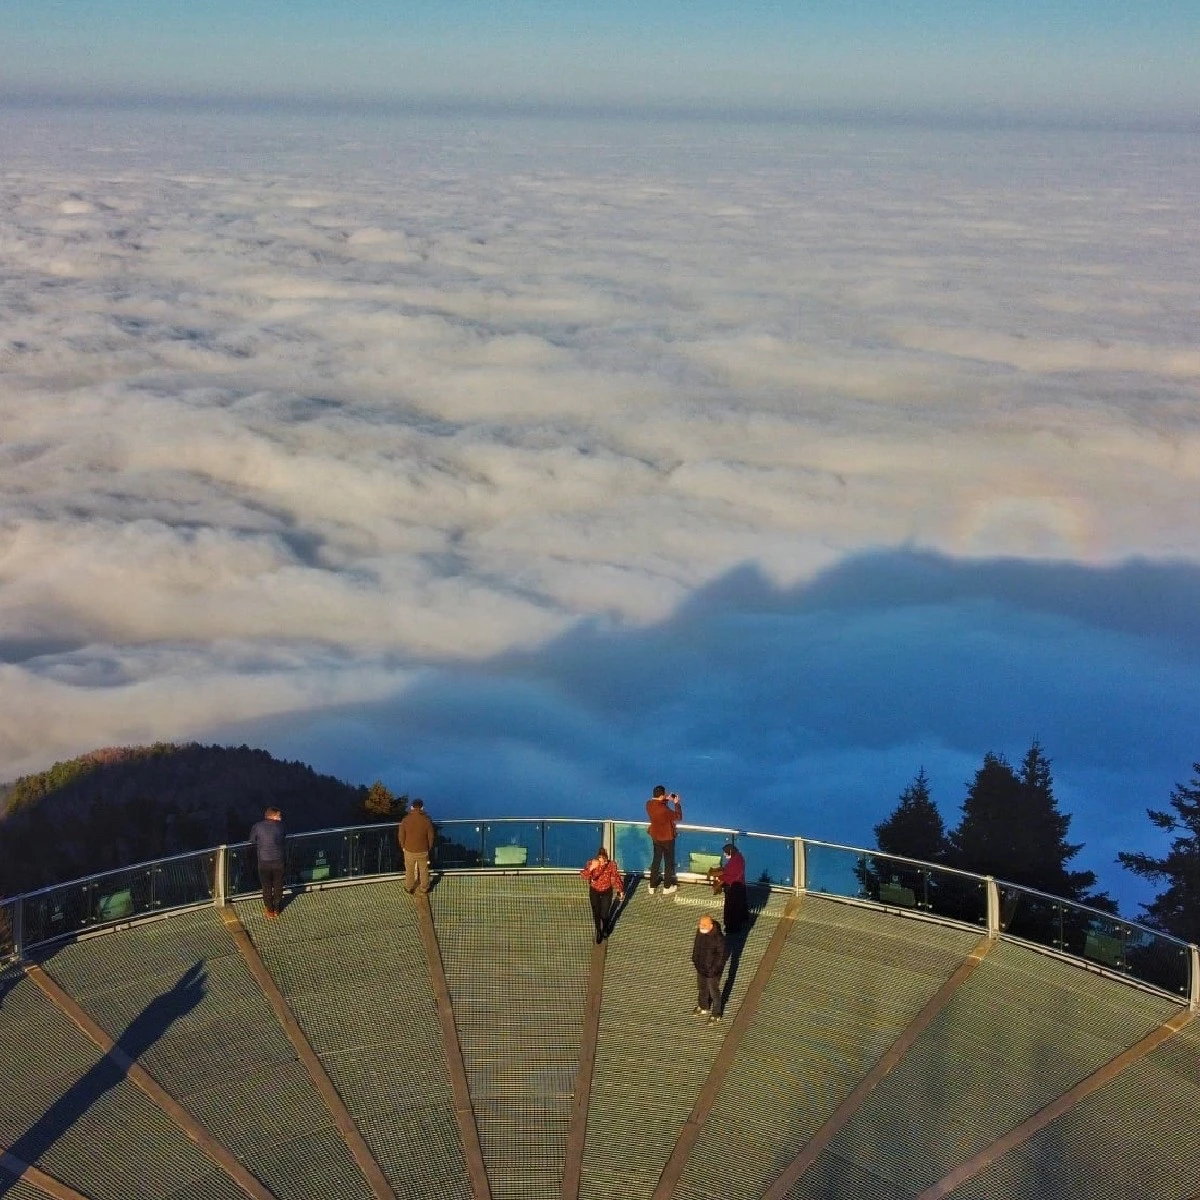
(806, 710)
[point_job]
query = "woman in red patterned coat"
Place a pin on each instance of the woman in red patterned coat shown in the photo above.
(604, 882)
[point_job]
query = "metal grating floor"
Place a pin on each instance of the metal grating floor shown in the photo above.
(351, 964)
(653, 1055)
(18, 1189)
(1133, 1139)
(827, 1015)
(516, 951)
(1022, 1030)
(223, 1054)
(1019, 1032)
(68, 1110)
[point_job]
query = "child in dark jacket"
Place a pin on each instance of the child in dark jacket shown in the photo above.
(708, 957)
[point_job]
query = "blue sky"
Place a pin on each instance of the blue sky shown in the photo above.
(1055, 59)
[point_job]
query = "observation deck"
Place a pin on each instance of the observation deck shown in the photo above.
(892, 1030)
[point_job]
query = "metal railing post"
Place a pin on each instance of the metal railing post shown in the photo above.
(219, 898)
(993, 906)
(1194, 990)
(800, 864)
(610, 839)
(18, 929)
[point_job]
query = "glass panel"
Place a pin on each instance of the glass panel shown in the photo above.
(375, 850)
(572, 843)
(1103, 940)
(957, 897)
(1035, 918)
(241, 876)
(459, 844)
(633, 850)
(318, 857)
(1156, 959)
(899, 883)
(840, 871)
(836, 871)
(696, 850)
(119, 896)
(1108, 941)
(179, 881)
(55, 912)
(768, 859)
(512, 844)
(893, 882)
(7, 949)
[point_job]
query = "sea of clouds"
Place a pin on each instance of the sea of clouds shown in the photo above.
(525, 463)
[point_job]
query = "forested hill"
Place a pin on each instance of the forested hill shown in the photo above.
(114, 807)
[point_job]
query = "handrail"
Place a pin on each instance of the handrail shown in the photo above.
(138, 866)
(900, 858)
(1075, 904)
(221, 886)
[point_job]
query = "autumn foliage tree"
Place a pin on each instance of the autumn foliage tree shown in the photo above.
(379, 804)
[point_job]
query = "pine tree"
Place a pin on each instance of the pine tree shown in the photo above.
(1177, 909)
(987, 840)
(1012, 828)
(915, 829)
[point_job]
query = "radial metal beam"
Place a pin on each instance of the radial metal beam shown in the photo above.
(848, 1109)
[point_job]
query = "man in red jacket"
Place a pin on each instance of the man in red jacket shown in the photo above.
(665, 812)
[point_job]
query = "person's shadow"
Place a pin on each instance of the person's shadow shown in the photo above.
(632, 883)
(141, 1033)
(735, 942)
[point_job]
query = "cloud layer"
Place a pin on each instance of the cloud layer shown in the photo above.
(300, 420)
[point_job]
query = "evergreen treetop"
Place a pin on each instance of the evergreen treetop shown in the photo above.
(1012, 828)
(915, 829)
(1177, 909)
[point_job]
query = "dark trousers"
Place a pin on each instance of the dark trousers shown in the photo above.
(708, 993)
(270, 875)
(737, 907)
(602, 903)
(662, 865)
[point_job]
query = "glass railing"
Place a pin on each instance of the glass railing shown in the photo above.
(572, 843)
(333, 855)
(900, 883)
(322, 857)
(1099, 937)
(511, 844)
(8, 910)
(117, 896)
(770, 860)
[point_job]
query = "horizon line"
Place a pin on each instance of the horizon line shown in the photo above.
(966, 119)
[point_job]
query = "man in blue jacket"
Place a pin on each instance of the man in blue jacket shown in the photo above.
(267, 839)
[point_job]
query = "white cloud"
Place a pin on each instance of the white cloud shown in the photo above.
(291, 412)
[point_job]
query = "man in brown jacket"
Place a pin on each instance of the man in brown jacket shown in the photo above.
(665, 812)
(416, 836)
